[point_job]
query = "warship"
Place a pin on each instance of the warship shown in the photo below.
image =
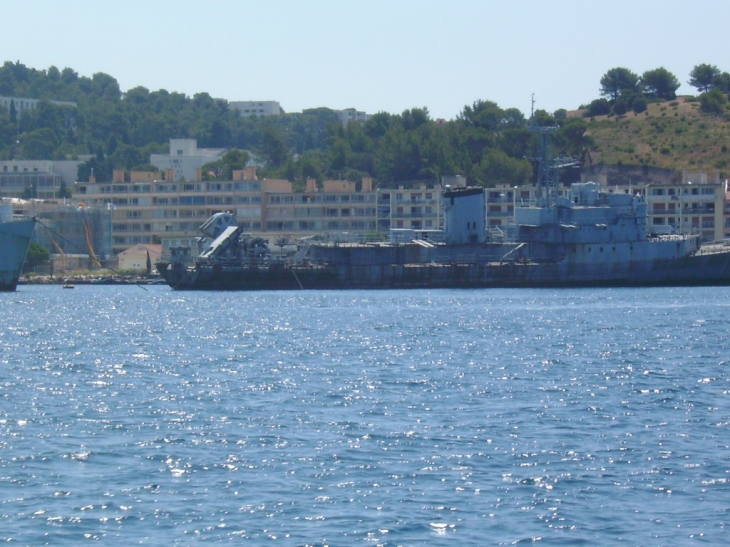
(15, 236)
(586, 237)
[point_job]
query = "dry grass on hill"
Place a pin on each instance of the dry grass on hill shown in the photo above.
(670, 135)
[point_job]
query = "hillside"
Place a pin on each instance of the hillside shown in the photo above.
(486, 143)
(671, 135)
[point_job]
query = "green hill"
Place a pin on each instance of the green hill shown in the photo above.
(486, 143)
(672, 135)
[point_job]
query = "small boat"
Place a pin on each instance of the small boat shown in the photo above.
(68, 286)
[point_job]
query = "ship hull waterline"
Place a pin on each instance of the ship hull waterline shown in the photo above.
(699, 270)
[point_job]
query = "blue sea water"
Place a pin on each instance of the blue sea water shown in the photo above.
(445, 417)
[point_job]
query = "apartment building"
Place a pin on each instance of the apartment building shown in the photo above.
(256, 108)
(416, 208)
(694, 205)
(338, 207)
(41, 179)
(185, 159)
(691, 206)
(351, 115)
(24, 103)
(149, 210)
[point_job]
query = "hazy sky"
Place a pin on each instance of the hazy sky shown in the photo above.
(372, 55)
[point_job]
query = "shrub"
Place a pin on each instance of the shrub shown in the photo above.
(598, 107)
(639, 105)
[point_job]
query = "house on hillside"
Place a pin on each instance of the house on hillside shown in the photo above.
(135, 258)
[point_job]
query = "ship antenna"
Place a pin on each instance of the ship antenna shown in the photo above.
(532, 107)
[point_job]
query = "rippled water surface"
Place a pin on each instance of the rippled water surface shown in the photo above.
(475, 417)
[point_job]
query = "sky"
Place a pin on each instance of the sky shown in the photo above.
(373, 55)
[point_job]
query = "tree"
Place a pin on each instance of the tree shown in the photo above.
(63, 191)
(660, 83)
(414, 118)
(639, 105)
(617, 81)
(233, 160)
(273, 146)
(573, 140)
(722, 82)
(713, 101)
(703, 76)
(39, 144)
(37, 255)
(598, 107)
(498, 167)
(543, 118)
(484, 114)
(621, 105)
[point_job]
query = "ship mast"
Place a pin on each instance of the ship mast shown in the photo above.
(548, 166)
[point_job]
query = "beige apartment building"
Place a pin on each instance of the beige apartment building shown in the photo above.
(416, 208)
(151, 208)
(695, 205)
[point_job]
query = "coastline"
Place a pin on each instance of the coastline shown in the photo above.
(90, 279)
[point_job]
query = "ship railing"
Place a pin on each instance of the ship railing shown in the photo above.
(495, 234)
(180, 259)
(371, 236)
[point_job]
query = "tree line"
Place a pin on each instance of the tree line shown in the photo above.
(485, 143)
(623, 90)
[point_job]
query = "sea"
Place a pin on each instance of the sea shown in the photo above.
(134, 415)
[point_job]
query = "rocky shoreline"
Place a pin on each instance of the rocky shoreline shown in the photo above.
(92, 280)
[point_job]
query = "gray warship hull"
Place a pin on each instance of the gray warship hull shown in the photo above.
(466, 267)
(15, 238)
(585, 238)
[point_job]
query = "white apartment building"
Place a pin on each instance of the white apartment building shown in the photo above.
(24, 103)
(40, 179)
(351, 115)
(185, 159)
(256, 108)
